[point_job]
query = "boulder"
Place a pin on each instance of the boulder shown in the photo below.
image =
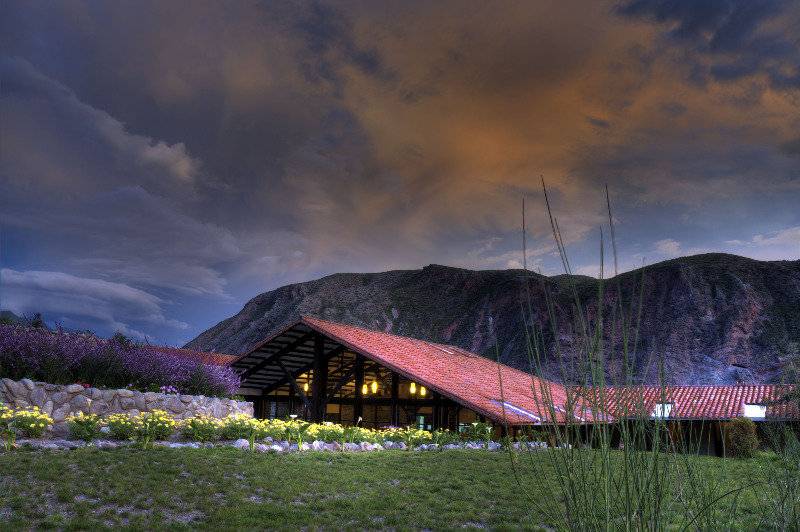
(175, 404)
(150, 396)
(73, 388)
(59, 398)
(81, 402)
(108, 395)
(27, 383)
(38, 397)
(125, 393)
(127, 403)
(48, 408)
(242, 444)
(139, 401)
(98, 407)
(60, 413)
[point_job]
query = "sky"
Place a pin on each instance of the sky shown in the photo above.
(163, 162)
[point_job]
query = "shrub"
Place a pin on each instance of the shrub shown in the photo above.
(444, 437)
(273, 428)
(66, 358)
(84, 427)
(7, 432)
(152, 426)
(741, 440)
(121, 426)
(327, 432)
(478, 432)
(241, 426)
(31, 423)
(201, 428)
(411, 436)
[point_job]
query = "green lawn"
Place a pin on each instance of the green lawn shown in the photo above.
(228, 488)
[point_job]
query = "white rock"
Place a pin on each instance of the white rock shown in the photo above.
(262, 448)
(333, 446)
(352, 447)
(60, 414)
(318, 445)
(276, 448)
(242, 444)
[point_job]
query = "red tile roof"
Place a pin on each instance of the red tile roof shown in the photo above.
(701, 402)
(465, 377)
(217, 359)
(475, 382)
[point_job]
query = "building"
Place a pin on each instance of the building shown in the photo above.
(322, 370)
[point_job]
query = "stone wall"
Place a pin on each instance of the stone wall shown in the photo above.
(59, 401)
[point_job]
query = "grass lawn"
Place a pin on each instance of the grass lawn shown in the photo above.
(228, 488)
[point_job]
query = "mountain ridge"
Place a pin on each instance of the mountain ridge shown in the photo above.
(705, 319)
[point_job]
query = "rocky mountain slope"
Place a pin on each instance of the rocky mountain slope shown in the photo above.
(704, 319)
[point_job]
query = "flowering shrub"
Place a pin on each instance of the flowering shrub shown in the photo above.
(241, 426)
(121, 426)
(411, 436)
(65, 358)
(6, 428)
(31, 423)
(84, 427)
(152, 426)
(201, 428)
(479, 432)
(444, 437)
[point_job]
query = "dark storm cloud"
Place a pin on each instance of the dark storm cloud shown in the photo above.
(737, 36)
(193, 154)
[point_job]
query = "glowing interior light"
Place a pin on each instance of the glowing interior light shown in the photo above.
(422, 391)
(413, 387)
(364, 389)
(374, 386)
(305, 386)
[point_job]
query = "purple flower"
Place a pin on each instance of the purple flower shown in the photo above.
(64, 358)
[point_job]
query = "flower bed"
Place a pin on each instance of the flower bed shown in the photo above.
(241, 431)
(65, 358)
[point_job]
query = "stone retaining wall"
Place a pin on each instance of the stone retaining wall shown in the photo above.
(59, 401)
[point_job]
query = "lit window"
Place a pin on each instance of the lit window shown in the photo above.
(662, 410)
(754, 411)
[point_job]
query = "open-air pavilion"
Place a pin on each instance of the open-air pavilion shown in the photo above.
(325, 371)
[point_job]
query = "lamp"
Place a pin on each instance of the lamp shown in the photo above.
(413, 388)
(364, 389)
(422, 391)
(374, 386)
(305, 386)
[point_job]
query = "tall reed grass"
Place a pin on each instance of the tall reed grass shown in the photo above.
(634, 472)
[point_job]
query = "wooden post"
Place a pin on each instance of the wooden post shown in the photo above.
(395, 393)
(358, 407)
(437, 402)
(320, 381)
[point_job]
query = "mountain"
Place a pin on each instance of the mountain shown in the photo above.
(704, 319)
(8, 317)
